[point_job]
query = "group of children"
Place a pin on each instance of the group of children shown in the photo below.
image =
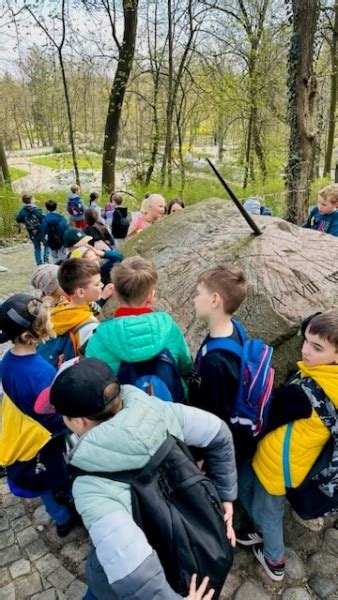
(107, 227)
(120, 426)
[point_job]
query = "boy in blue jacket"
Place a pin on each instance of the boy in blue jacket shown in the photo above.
(324, 216)
(31, 216)
(53, 227)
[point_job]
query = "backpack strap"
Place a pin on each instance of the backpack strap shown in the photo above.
(76, 341)
(144, 474)
(328, 478)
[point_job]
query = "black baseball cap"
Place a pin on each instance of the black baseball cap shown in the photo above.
(17, 314)
(78, 390)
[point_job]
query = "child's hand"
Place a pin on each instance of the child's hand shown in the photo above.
(228, 514)
(108, 291)
(197, 594)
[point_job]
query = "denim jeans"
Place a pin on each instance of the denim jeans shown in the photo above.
(58, 255)
(37, 252)
(266, 511)
(59, 513)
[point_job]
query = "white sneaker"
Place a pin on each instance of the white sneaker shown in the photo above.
(312, 524)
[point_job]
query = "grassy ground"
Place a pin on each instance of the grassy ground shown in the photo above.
(20, 265)
(64, 161)
(17, 173)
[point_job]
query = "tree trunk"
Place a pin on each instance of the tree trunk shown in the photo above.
(4, 165)
(69, 114)
(302, 87)
(333, 96)
(124, 65)
(248, 153)
(166, 160)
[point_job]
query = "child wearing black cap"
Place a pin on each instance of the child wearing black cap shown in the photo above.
(31, 444)
(120, 428)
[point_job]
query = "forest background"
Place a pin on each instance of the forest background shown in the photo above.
(152, 87)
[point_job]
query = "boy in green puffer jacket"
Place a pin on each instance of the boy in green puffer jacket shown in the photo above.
(137, 333)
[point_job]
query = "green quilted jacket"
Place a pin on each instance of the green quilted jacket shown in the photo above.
(139, 338)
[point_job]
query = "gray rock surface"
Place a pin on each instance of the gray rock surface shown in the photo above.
(295, 593)
(324, 587)
(250, 590)
(289, 276)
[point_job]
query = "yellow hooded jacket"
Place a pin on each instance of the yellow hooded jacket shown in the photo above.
(78, 321)
(301, 443)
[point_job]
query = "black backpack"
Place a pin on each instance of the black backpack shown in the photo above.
(33, 222)
(179, 510)
(54, 236)
(318, 494)
(120, 223)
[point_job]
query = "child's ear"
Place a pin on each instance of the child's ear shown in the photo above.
(79, 292)
(216, 300)
(151, 297)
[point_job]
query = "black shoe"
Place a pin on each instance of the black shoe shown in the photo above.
(65, 529)
(276, 571)
(248, 537)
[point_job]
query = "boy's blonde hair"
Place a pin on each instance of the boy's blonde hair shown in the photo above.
(41, 329)
(330, 192)
(326, 326)
(133, 279)
(229, 282)
(75, 188)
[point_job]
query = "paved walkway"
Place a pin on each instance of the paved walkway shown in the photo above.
(36, 564)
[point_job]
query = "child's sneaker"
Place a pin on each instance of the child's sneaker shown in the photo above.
(276, 571)
(248, 537)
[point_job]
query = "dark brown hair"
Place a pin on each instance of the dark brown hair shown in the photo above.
(27, 198)
(175, 201)
(51, 205)
(326, 326)
(75, 273)
(133, 279)
(229, 282)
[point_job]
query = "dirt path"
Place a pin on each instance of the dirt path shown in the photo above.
(45, 179)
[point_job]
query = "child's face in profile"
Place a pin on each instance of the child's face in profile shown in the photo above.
(325, 206)
(204, 302)
(318, 351)
(92, 291)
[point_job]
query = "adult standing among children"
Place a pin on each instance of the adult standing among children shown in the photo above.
(32, 217)
(153, 209)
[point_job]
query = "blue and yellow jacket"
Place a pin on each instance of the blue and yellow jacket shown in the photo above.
(286, 455)
(28, 438)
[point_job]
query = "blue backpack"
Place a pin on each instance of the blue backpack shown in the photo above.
(158, 377)
(61, 348)
(75, 207)
(251, 407)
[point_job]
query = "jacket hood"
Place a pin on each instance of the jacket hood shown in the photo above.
(326, 376)
(129, 439)
(53, 217)
(30, 207)
(65, 318)
(138, 338)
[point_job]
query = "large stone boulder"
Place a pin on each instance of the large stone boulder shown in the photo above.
(292, 272)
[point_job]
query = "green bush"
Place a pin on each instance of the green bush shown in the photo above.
(60, 148)
(10, 204)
